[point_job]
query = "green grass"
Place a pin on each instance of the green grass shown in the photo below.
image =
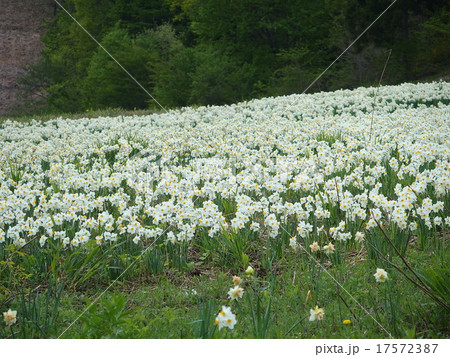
(174, 304)
(89, 113)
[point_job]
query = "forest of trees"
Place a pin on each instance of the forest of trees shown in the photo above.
(200, 52)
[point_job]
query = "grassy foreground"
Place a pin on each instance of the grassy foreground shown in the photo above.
(182, 303)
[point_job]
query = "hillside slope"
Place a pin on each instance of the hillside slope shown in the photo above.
(20, 43)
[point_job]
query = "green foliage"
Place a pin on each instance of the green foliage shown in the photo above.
(139, 15)
(260, 316)
(173, 78)
(107, 84)
(37, 312)
(436, 36)
(437, 278)
(204, 329)
(106, 319)
(171, 65)
(177, 255)
(294, 73)
(275, 305)
(203, 52)
(153, 260)
(219, 78)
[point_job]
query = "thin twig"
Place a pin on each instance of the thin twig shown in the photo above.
(424, 289)
(397, 251)
(398, 269)
(424, 286)
(348, 307)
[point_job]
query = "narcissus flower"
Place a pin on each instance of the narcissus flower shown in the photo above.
(293, 243)
(10, 317)
(235, 292)
(43, 240)
(315, 247)
(329, 248)
(225, 318)
(249, 270)
(381, 275)
(316, 314)
(359, 237)
(237, 280)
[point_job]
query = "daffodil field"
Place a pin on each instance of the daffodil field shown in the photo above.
(331, 211)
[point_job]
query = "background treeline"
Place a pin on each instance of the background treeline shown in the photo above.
(197, 52)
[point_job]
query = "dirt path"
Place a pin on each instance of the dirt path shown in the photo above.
(20, 44)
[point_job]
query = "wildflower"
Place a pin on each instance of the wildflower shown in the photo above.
(316, 314)
(20, 242)
(359, 237)
(293, 242)
(346, 322)
(381, 275)
(342, 236)
(236, 292)
(304, 229)
(43, 240)
(171, 237)
(66, 242)
(329, 248)
(225, 318)
(254, 226)
(413, 226)
(249, 270)
(437, 221)
(371, 223)
(191, 292)
(447, 221)
(10, 317)
(237, 280)
(315, 247)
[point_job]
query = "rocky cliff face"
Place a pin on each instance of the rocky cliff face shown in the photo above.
(20, 45)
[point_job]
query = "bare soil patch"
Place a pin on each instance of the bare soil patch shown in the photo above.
(21, 29)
